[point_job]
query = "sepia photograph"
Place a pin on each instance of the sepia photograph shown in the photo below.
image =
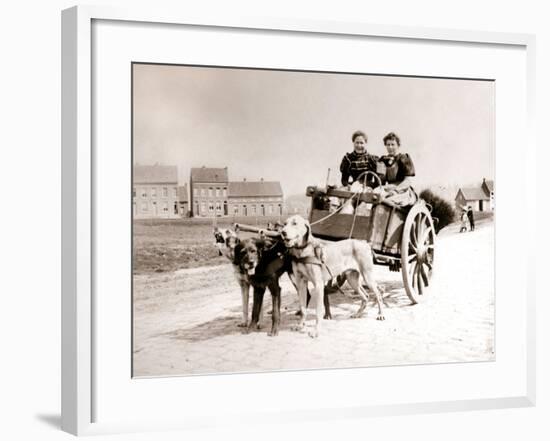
(296, 220)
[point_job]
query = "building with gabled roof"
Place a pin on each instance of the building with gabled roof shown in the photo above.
(213, 195)
(479, 198)
(208, 192)
(209, 175)
(255, 198)
(155, 174)
(154, 191)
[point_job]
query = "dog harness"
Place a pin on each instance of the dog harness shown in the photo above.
(314, 260)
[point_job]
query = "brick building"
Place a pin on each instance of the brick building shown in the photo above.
(154, 192)
(213, 195)
(248, 198)
(208, 192)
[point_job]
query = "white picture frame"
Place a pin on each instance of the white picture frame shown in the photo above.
(80, 376)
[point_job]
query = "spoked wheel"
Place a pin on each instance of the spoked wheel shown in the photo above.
(417, 252)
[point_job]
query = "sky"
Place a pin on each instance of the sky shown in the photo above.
(293, 126)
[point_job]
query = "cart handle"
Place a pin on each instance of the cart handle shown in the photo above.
(253, 229)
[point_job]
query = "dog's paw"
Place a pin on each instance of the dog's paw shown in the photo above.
(298, 313)
(380, 317)
(243, 325)
(273, 333)
(298, 328)
(356, 315)
(327, 316)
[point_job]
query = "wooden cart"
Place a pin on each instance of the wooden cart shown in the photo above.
(400, 238)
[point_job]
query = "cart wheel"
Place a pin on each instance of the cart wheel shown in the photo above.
(417, 252)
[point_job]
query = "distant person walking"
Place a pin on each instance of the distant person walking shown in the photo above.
(470, 214)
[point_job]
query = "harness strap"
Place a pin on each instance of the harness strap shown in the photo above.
(314, 260)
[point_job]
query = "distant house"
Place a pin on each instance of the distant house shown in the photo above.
(249, 198)
(154, 192)
(479, 198)
(208, 192)
(183, 201)
(213, 195)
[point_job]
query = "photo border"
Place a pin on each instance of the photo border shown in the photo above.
(78, 204)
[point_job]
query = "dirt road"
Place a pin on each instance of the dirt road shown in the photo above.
(185, 322)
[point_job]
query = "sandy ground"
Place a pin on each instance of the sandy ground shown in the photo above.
(185, 322)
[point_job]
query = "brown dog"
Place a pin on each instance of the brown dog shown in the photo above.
(259, 263)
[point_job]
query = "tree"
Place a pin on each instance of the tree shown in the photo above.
(442, 210)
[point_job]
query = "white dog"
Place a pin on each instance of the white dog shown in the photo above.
(319, 263)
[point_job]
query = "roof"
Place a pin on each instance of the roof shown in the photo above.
(250, 188)
(490, 185)
(155, 174)
(182, 193)
(473, 194)
(208, 174)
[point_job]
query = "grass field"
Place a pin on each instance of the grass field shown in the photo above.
(163, 245)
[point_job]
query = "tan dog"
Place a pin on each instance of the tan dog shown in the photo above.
(317, 263)
(226, 242)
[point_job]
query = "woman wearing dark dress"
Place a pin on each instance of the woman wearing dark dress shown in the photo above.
(359, 161)
(396, 170)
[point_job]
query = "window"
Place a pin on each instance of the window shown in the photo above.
(225, 192)
(195, 192)
(143, 192)
(225, 210)
(164, 192)
(210, 192)
(211, 207)
(280, 209)
(217, 192)
(236, 210)
(253, 210)
(154, 192)
(218, 207)
(203, 191)
(270, 209)
(165, 207)
(144, 207)
(203, 208)
(245, 211)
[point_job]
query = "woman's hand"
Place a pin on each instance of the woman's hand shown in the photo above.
(390, 189)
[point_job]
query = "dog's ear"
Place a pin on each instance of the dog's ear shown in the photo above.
(232, 241)
(308, 236)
